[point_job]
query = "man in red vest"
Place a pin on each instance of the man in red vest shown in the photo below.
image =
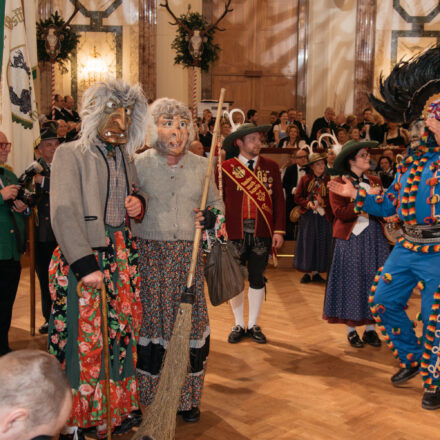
(255, 218)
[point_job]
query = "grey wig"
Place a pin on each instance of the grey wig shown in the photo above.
(167, 106)
(93, 105)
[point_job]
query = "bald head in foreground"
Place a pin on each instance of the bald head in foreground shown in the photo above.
(35, 396)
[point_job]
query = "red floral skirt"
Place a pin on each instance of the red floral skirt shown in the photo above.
(75, 335)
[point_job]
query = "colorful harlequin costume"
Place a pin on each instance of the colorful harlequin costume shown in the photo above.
(411, 94)
(92, 180)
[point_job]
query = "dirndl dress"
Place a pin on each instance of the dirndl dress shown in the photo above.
(313, 243)
(164, 267)
(75, 335)
(354, 266)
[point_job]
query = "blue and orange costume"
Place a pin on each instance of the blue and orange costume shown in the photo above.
(414, 196)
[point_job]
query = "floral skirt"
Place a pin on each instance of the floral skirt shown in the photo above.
(164, 267)
(75, 335)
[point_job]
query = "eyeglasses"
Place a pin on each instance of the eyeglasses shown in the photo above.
(364, 155)
(5, 146)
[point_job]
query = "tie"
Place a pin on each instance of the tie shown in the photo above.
(251, 164)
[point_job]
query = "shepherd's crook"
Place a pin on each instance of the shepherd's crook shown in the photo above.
(106, 354)
(159, 422)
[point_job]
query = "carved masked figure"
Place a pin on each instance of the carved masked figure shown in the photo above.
(95, 206)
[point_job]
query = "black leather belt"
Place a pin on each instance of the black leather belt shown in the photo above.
(423, 234)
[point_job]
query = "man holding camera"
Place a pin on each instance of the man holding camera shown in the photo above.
(12, 242)
(45, 242)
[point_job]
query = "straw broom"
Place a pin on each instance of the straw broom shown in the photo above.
(159, 422)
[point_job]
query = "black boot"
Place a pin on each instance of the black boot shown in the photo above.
(431, 399)
(404, 375)
(81, 435)
(190, 416)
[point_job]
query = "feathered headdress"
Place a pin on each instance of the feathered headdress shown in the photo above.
(410, 89)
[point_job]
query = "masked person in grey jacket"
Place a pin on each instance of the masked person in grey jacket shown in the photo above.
(95, 204)
(173, 177)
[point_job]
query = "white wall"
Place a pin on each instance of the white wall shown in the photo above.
(332, 33)
(172, 80)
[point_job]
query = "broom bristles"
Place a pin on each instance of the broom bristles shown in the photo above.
(159, 421)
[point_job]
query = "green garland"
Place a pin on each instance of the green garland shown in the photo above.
(194, 20)
(67, 44)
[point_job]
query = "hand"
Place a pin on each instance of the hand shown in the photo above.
(38, 179)
(198, 218)
(434, 126)
(343, 189)
(310, 205)
(277, 240)
(9, 192)
(19, 206)
(93, 279)
(133, 206)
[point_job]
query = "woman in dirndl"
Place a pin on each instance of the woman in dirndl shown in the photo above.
(360, 248)
(314, 230)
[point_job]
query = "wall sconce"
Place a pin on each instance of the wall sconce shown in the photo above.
(95, 69)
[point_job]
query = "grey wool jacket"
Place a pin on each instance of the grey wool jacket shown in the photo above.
(173, 194)
(78, 202)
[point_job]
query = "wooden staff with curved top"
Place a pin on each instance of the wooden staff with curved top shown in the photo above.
(106, 354)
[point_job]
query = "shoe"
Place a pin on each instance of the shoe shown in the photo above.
(404, 375)
(431, 399)
(355, 340)
(125, 426)
(371, 338)
(305, 279)
(236, 335)
(135, 417)
(44, 329)
(256, 334)
(80, 433)
(318, 278)
(190, 416)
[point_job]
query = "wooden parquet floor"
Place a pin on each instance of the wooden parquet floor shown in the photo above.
(306, 383)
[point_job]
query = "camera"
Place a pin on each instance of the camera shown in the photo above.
(36, 167)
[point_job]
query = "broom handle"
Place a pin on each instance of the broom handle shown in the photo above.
(198, 232)
(106, 354)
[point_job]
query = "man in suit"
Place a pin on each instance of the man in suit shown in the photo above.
(45, 242)
(368, 129)
(326, 121)
(255, 218)
(294, 118)
(291, 178)
(68, 111)
(59, 105)
(12, 242)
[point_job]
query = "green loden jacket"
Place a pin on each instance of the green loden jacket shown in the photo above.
(9, 236)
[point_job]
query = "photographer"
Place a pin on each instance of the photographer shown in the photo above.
(45, 242)
(11, 242)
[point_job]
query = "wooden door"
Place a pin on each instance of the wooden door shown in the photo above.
(258, 58)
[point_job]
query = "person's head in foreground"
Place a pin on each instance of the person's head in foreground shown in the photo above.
(35, 396)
